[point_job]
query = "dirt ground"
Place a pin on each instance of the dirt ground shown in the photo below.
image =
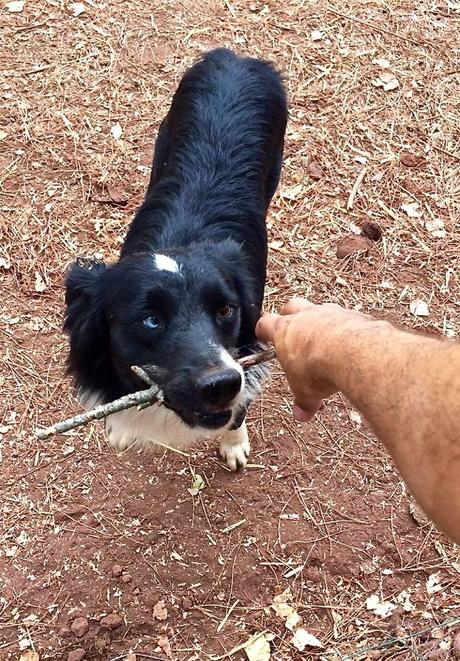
(106, 556)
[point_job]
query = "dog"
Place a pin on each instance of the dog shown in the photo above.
(186, 293)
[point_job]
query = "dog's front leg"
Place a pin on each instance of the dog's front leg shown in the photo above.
(234, 447)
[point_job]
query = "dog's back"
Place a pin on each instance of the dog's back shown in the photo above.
(217, 159)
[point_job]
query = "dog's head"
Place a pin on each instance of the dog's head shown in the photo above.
(181, 315)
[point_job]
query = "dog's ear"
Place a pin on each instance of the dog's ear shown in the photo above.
(86, 324)
(80, 283)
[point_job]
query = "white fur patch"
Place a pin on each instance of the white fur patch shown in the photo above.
(165, 263)
(228, 361)
(89, 400)
(151, 425)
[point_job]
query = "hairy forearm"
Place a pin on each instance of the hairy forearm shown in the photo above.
(408, 388)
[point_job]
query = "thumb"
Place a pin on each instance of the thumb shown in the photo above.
(307, 412)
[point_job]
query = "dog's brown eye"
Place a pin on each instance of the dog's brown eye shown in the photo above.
(225, 312)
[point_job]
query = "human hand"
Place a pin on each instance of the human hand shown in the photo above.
(310, 341)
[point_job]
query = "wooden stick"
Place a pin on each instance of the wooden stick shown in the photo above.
(257, 358)
(141, 399)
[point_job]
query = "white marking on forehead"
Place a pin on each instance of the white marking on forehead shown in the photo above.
(165, 263)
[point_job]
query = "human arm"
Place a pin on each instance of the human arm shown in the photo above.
(406, 385)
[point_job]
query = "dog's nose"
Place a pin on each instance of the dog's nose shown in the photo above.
(219, 388)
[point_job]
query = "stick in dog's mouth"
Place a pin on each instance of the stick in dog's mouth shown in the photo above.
(142, 398)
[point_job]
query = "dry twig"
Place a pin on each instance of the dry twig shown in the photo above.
(141, 399)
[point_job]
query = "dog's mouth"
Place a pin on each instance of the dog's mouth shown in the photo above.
(209, 419)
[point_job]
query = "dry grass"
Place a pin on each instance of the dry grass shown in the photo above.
(66, 82)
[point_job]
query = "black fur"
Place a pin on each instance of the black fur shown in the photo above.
(216, 166)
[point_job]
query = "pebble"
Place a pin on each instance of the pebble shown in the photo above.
(76, 655)
(372, 230)
(112, 621)
(351, 245)
(314, 170)
(79, 626)
(117, 570)
(126, 578)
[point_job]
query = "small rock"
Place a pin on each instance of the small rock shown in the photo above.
(126, 578)
(76, 655)
(351, 245)
(372, 230)
(117, 570)
(64, 632)
(112, 621)
(314, 170)
(79, 627)
(412, 160)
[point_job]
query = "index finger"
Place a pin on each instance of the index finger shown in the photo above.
(296, 305)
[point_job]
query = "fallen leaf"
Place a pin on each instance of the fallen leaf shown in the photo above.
(419, 308)
(356, 417)
(292, 192)
(387, 80)
(29, 656)
(40, 284)
(117, 195)
(3, 135)
(292, 620)
(380, 608)
(412, 209)
(316, 35)
(116, 131)
(412, 160)
(160, 611)
(433, 585)
(77, 8)
(198, 484)
(16, 6)
(130, 657)
(386, 76)
(392, 85)
(258, 647)
(382, 63)
(404, 599)
(165, 646)
(368, 567)
(4, 263)
(302, 639)
(275, 245)
(436, 228)
(314, 170)
(351, 245)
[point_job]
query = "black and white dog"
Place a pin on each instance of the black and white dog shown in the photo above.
(184, 298)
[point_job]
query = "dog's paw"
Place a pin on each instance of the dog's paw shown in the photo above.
(234, 448)
(118, 438)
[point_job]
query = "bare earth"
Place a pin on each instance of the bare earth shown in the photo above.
(112, 554)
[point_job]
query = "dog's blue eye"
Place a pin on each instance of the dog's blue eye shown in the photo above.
(151, 322)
